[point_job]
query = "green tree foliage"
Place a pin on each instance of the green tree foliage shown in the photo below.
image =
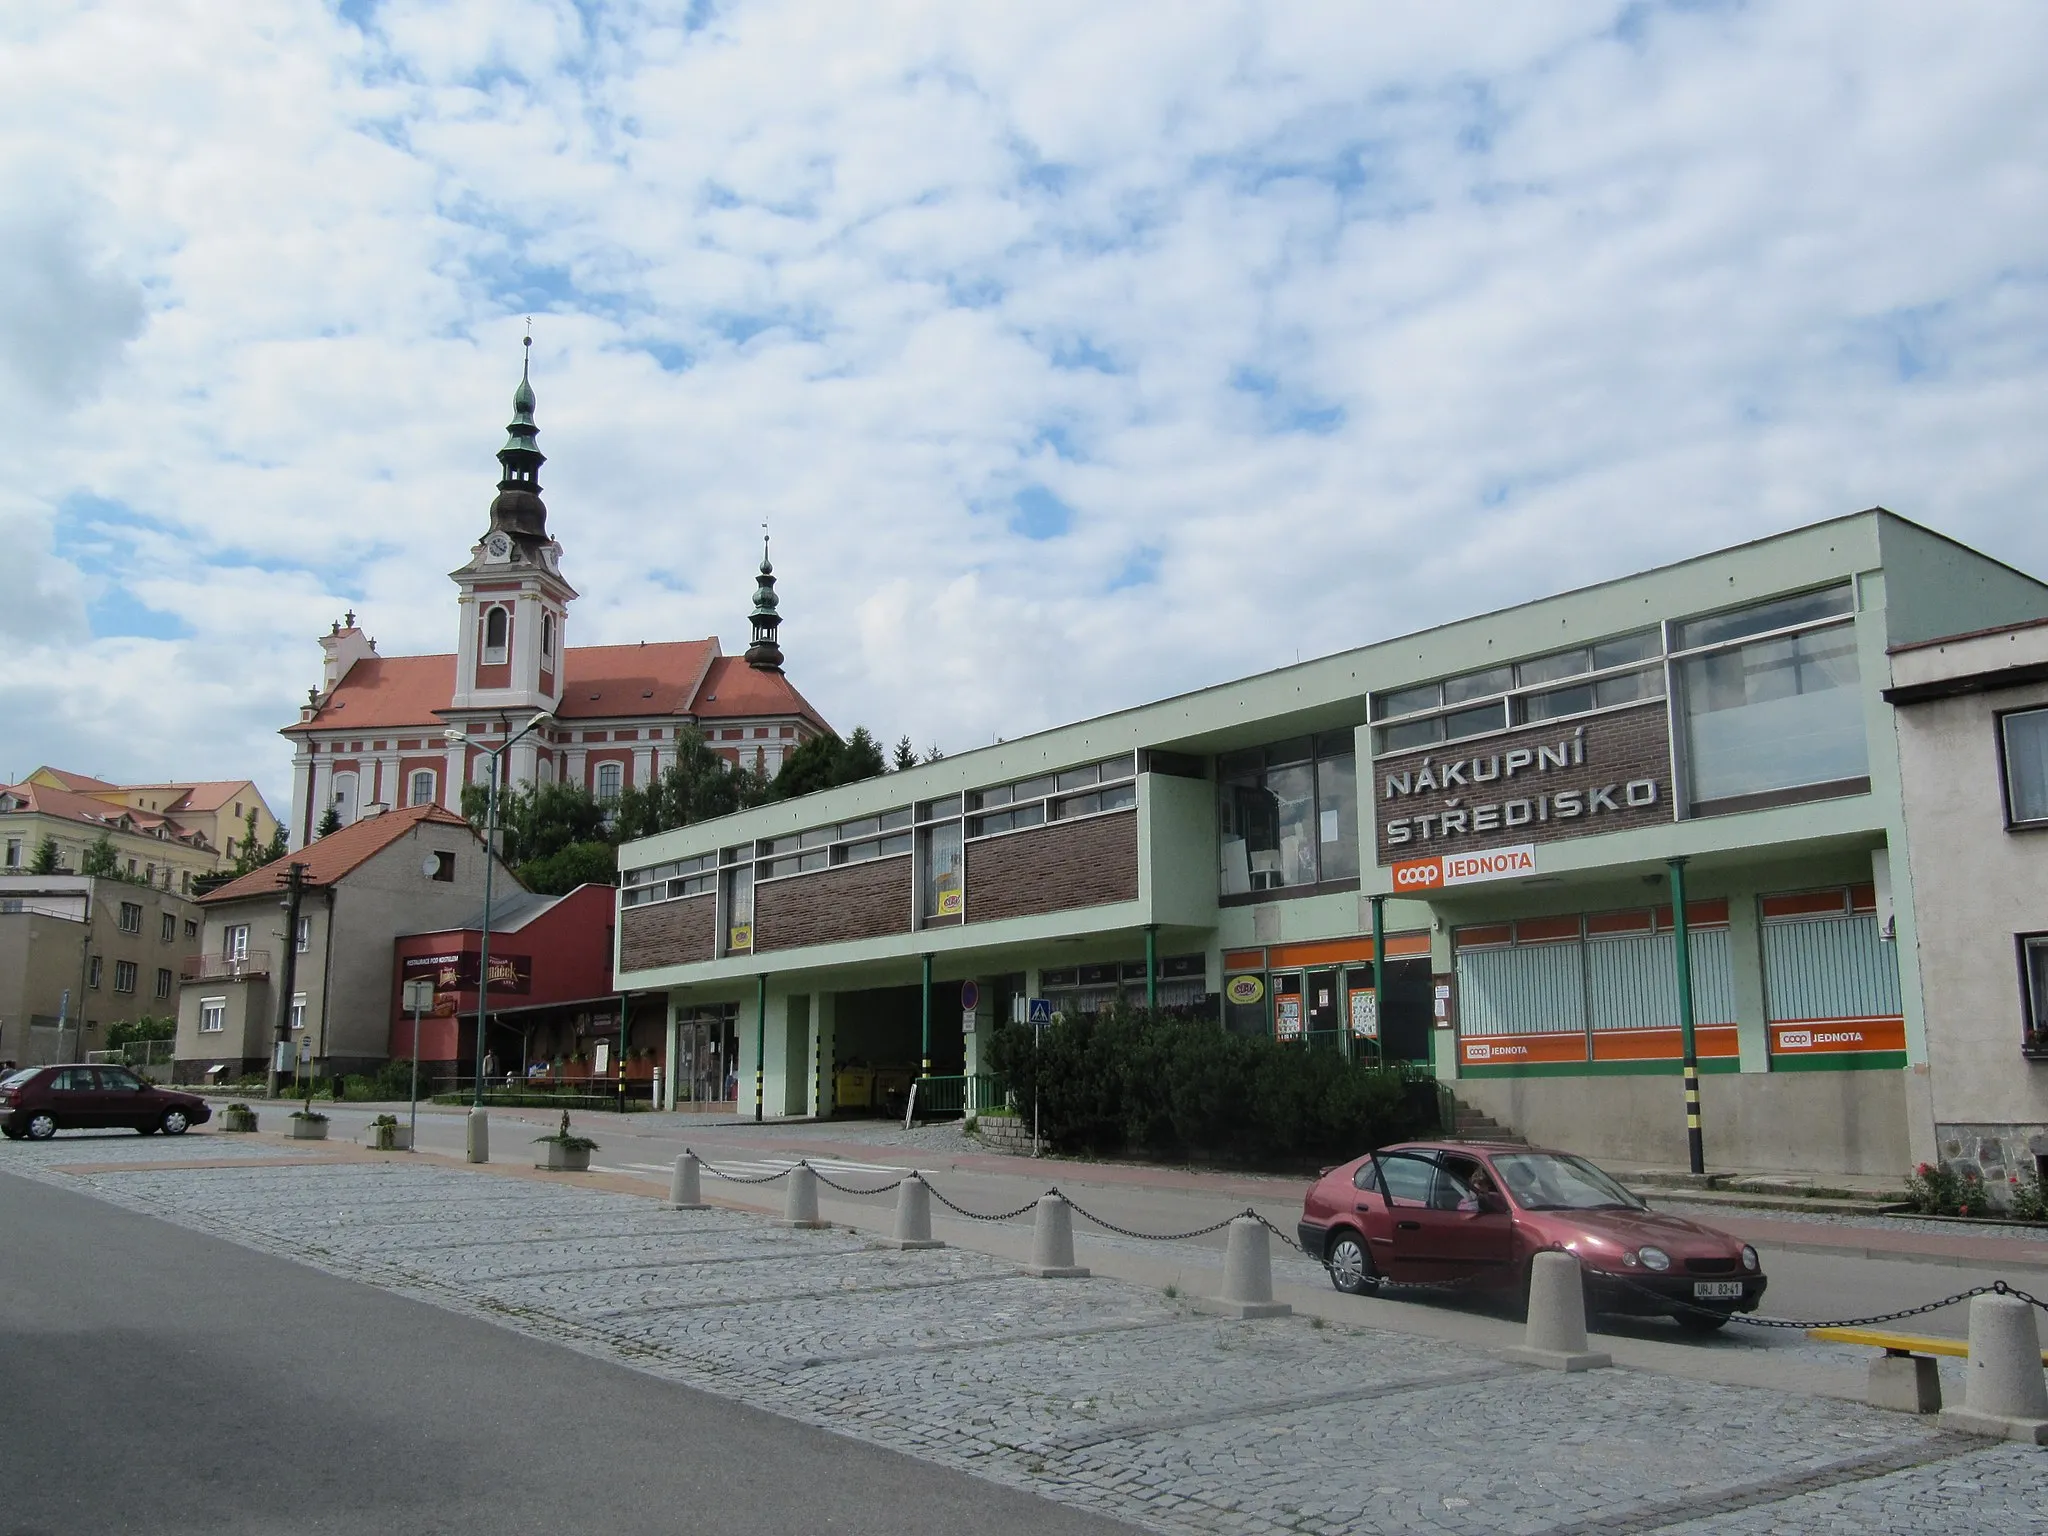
(212, 880)
(46, 859)
(126, 1031)
(560, 872)
(538, 820)
(331, 822)
(905, 755)
(276, 848)
(101, 858)
(697, 786)
(1128, 1080)
(826, 761)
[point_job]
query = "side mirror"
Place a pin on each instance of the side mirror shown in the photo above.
(1493, 1203)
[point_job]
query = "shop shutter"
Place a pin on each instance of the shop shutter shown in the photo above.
(1829, 968)
(1527, 990)
(1631, 980)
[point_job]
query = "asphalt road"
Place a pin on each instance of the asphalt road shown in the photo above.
(153, 1379)
(1822, 1286)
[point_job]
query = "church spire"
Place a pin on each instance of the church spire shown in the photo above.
(764, 652)
(518, 509)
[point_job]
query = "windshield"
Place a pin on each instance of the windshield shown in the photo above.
(1542, 1181)
(20, 1078)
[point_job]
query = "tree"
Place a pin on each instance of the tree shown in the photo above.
(47, 858)
(826, 761)
(697, 786)
(252, 854)
(212, 880)
(331, 822)
(905, 755)
(275, 849)
(932, 754)
(537, 820)
(101, 858)
(863, 757)
(562, 871)
(123, 1031)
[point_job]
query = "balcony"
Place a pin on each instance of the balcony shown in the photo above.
(225, 967)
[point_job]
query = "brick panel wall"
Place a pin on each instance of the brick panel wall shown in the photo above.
(853, 901)
(668, 933)
(1052, 868)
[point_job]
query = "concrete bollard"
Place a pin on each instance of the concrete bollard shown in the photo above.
(801, 1208)
(2006, 1395)
(685, 1192)
(1247, 1275)
(1556, 1337)
(1052, 1242)
(478, 1143)
(913, 1216)
(1905, 1384)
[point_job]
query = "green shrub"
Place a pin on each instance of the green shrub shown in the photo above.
(1128, 1080)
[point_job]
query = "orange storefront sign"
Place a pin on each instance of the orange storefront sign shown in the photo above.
(1820, 1037)
(1519, 1050)
(1710, 1042)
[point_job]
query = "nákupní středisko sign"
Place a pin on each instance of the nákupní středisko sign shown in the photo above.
(1536, 785)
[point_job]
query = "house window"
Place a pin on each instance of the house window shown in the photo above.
(497, 625)
(610, 780)
(170, 927)
(131, 917)
(163, 981)
(191, 927)
(1776, 718)
(298, 1010)
(444, 865)
(185, 882)
(237, 945)
(1288, 814)
(124, 975)
(2023, 741)
(92, 973)
(305, 936)
(213, 1015)
(14, 853)
(422, 787)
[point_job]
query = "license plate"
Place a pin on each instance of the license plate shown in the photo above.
(1717, 1290)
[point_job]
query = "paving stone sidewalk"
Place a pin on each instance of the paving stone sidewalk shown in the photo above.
(1093, 1392)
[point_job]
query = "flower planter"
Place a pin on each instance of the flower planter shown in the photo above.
(238, 1120)
(561, 1159)
(390, 1138)
(305, 1128)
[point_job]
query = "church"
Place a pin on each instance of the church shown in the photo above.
(379, 731)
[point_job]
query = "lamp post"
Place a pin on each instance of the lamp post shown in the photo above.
(483, 976)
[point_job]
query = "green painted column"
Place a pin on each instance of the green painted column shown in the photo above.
(1152, 967)
(927, 1015)
(760, 1041)
(1682, 958)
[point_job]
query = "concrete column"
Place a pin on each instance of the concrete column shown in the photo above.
(520, 764)
(302, 793)
(1745, 945)
(913, 1217)
(685, 1185)
(670, 1044)
(800, 1206)
(1247, 1275)
(454, 777)
(824, 1052)
(323, 795)
(574, 768)
(2005, 1396)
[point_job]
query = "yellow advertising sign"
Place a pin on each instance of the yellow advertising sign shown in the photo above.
(1245, 989)
(952, 903)
(740, 936)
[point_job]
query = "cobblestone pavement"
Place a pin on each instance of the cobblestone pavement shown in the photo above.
(1093, 1392)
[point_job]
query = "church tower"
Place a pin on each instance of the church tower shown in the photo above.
(764, 651)
(513, 629)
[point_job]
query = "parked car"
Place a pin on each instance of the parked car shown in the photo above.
(1476, 1214)
(38, 1102)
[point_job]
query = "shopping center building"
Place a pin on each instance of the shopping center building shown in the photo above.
(1497, 811)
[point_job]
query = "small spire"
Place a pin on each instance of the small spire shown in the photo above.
(764, 652)
(518, 509)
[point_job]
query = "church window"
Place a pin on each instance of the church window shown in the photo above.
(422, 787)
(610, 778)
(497, 625)
(547, 634)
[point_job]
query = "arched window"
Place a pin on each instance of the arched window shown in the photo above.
(344, 801)
(422, 787)
(497, 623)
(547, 634)
(609, 780)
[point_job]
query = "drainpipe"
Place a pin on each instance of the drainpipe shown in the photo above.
(1695, 1147)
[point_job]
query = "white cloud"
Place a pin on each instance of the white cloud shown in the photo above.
(1334, 329)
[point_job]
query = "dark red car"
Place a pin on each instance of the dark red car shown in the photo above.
(38, 1102)
(1473, 1213)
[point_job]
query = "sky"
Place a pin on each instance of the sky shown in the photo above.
(1075, 354)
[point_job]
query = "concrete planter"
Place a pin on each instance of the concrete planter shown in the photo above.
(390, 1138)
(304, 1128)
(561, 1159)
(238, 1120)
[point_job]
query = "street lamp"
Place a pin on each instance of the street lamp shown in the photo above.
(483, 979)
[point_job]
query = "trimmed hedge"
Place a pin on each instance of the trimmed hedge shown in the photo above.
(1130, 1081)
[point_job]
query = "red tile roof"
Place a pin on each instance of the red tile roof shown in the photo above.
(604, 681)
(77, 783)
(90, 809)
(735, 690)
(329, 858)
(383, 693)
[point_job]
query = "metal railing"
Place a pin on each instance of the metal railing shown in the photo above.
(550, 1093)
(937, 1098)
(225, 967)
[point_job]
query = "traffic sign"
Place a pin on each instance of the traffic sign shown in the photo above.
(1041, 1011)
(970, 996)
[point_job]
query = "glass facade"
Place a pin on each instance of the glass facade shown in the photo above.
(1287, 814)
(1773, 715)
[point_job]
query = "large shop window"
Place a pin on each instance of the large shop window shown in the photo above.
(1288, 814)
(2023, 741)
(1777, 717)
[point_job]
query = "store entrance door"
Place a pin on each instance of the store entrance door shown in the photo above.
(1325, 1006)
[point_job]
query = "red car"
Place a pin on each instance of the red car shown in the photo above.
(38, 1102)
(1464, 1212)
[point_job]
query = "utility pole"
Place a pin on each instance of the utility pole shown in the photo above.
(288, 975)
(1696, 1154)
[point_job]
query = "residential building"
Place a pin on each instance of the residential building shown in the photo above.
(374, 735)
(78, 953)
(163, 834)
(1971, 716)
(1482, 847)
(363, 886)
(551, 990)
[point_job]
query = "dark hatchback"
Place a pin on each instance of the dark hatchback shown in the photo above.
(38, 1102)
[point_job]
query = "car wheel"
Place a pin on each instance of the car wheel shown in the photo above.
(42, 1125)
(1702, 1322)
(175, 1122)
(1350, 1267)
